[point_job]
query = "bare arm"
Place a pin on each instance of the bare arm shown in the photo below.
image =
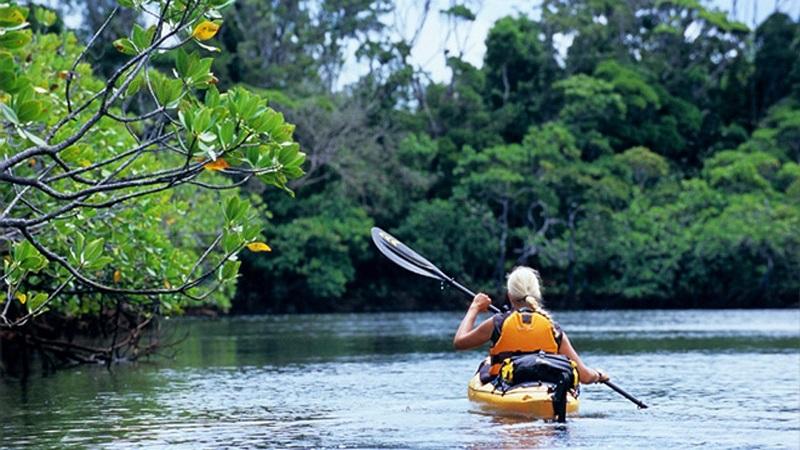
(587, 374)
(468, 337)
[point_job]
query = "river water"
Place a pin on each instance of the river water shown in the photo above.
(713, 379)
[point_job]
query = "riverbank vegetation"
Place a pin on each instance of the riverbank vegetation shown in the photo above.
(122, 195)
(652, 162)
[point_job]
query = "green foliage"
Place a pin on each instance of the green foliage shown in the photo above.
(176, 242)
(739, 172)
(315, 255)
(653, 164)
(519, 70)
(460, 12)
(775, 60)
(591, 106)
(459, 244)
(646, 167)
(297, 45)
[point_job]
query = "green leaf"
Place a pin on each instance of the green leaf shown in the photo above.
(288, 152)
(251, 231)
(284, 133)
(141, 38)
(33, 263)
(230, 241)
(8, 79)
(225, 131)
(230, 269)
(135, 85)
(168, 91)
(182, 63)
(45, 16)
(269, 122)
(125, 46)
(202, 121)
(31, 137)
(99, 263)
(12, 16)
(231, 208)
(28, 257)
(199, 70)
(37, 301)
(212, 97)
(186, 118)
(23, 250)
(9, 114)
(93, 250)
(76, 251)
(30, 111)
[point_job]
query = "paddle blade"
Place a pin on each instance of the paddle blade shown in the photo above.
(403, 256)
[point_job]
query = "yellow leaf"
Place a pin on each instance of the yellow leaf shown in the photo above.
(85, 163)
(117, 276)
(205, 30)
(21, 297)
(167, 284)
(219, 164)
(258, 247)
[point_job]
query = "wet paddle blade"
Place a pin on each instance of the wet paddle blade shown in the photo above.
(412, 261)
(398, 253)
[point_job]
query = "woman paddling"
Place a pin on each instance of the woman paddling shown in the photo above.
(526, 329)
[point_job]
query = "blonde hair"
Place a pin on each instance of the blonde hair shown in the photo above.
(524, 284)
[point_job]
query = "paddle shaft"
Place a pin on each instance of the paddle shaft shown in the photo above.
(463, 289)
(622, 392)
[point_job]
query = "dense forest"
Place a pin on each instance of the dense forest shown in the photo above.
(639, 153)
(653, 163)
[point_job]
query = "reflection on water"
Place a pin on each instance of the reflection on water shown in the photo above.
(391, 380)
(516, 432)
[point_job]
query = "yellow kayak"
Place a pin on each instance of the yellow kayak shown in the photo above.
(531, 399)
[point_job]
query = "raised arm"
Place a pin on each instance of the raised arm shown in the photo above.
(468, 337)
(587, 374)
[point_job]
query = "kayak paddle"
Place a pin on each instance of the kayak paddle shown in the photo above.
(412, 261)
(622, 392)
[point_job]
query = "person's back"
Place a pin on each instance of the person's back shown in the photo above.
(525, 330)
(521, 332)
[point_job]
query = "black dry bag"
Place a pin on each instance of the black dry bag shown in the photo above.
(542, 367)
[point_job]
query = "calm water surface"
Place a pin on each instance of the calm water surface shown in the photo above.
(713, 379)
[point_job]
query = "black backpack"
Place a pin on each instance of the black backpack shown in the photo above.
(541, 367)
